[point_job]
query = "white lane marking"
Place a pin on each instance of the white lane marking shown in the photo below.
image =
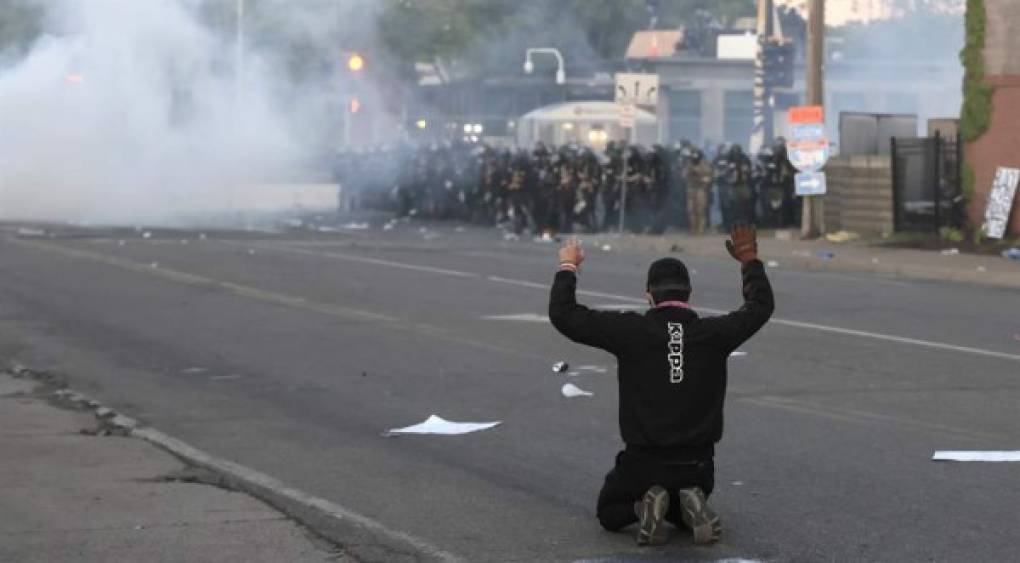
(619, 307)
(256, 482)
(521, 283)
(813, 326)
(524, 317)
(976, 456)
(365, 259)
(615, 297)
(899, 339)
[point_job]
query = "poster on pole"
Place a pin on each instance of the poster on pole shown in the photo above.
(1000, 202)
(808, 149)
(810, 183)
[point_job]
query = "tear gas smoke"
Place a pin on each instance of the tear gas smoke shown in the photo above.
(131, 112)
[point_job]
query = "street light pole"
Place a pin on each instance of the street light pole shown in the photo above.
(529, 66)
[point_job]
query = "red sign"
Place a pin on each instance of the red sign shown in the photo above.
(807, 114)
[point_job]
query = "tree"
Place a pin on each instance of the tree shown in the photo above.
(20, 24)
(480, 34)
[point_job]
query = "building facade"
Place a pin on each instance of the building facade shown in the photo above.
(998, 146)
(710, 101)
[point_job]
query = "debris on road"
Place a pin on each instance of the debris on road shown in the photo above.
(147, 234)
(772, 264)
(569, 390)
(511, 237)
(1011, 253)
(121, 243)
(352, 226)
(437, 425)
(738, 354)
(826, 255)
(560, 367)
(251, 252)
(606, 248)
(842, 236)
(27, 232)
(950, 252)
(194, 370)
(154, 265)
(596, 369)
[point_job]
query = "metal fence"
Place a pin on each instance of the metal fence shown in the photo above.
(927, 185)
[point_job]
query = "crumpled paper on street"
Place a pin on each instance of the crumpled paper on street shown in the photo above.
(570, 391)
(438, 425)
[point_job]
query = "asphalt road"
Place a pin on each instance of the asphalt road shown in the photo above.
(293, 353)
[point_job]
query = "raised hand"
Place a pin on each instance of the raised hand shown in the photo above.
(571, 252)
(743, 243)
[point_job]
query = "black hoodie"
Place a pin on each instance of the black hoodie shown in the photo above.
(668, 399)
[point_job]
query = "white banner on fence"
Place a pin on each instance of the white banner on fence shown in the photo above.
(1000, 202)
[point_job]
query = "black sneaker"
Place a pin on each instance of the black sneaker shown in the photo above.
(701, 519)
(651, 512)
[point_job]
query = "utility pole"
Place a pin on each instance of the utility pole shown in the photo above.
(762, 130)
(812, 210)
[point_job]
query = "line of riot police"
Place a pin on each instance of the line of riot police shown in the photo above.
(570, 188)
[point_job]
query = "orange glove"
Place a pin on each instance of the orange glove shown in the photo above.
(743, 243)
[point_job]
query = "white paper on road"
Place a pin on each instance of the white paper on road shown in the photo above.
(437, 425)
(737, 354)
(570, 391)
(976, 456)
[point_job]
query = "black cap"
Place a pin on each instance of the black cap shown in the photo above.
(668, 279)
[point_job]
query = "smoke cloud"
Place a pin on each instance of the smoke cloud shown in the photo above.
(129, 112)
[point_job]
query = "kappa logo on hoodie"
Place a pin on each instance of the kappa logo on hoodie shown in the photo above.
(676, 352)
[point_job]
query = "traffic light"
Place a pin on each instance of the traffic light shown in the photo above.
(777, 57)
(355, 62)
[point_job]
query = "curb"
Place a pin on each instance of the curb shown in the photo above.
(360, 536)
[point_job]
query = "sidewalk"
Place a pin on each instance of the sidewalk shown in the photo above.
(66, 495)
(856, 256)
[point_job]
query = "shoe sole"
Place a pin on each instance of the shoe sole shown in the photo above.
(652, 526)
(702, 520)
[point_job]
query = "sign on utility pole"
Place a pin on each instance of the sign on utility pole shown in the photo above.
(808, 149)
(637, 89)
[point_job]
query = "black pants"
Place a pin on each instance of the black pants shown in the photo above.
(635, 472)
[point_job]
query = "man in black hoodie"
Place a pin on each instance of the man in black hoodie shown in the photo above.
(672, 385)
